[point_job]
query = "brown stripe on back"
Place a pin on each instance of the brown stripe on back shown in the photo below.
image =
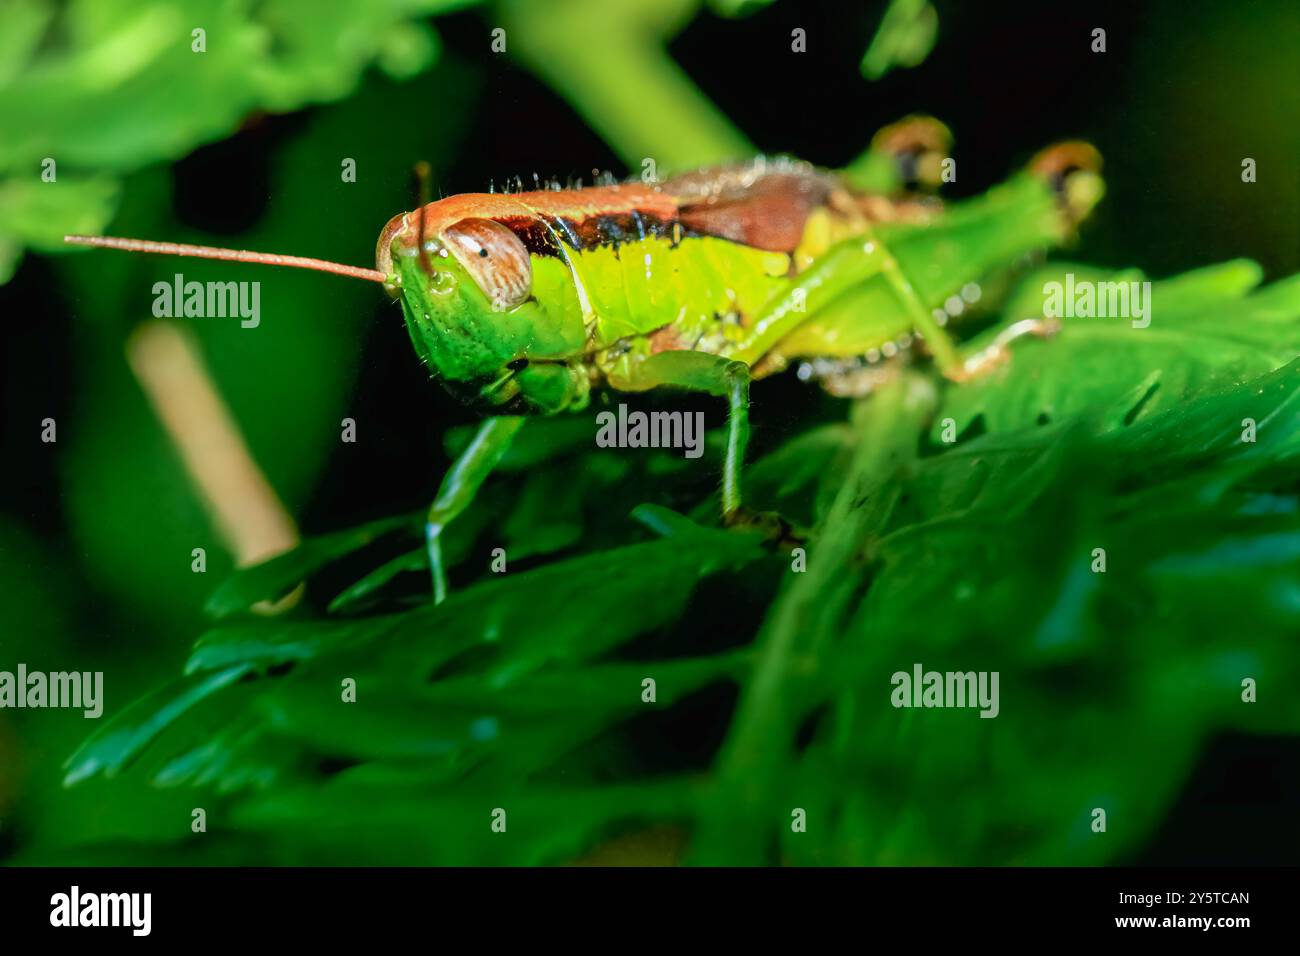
(764, 204)
(578, 205)
(521, 212)
(768, 211)
(542, 237)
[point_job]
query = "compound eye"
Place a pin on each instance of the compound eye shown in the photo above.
(494, 257)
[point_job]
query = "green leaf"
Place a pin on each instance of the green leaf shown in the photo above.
(356, 593)
(42, 213)
(127, 85)
(982, 558)
(273, 579)
(122, 739)
(1206, 331)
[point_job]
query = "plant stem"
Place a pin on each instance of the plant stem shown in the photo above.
(803, 619)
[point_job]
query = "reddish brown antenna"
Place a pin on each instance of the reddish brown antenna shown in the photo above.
(230, 255)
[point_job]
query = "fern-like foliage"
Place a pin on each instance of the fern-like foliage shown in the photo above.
(1171, 451)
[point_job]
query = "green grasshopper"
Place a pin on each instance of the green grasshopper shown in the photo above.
(522, 303)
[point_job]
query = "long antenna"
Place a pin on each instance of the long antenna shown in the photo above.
(230, 255)
(423, 174)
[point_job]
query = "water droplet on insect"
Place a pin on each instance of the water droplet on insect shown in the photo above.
(954, 306)
(804, 372)
(873, 355)
(889, 349)
(940, 317)
(971, 292)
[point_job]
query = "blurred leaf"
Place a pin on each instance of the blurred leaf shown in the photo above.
(738, 8)
(357, 592)
(122, 739)
(626, 86)
(273, 579)
(905, 37)
(108, 86)
(41, 213)
(983, 561)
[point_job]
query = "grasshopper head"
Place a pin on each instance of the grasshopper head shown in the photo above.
(480, 305)
(1073, 170)
(918, 146)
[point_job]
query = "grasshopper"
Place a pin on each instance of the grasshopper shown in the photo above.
(523, 303)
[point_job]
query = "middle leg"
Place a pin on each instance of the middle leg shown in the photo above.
(702, 372)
